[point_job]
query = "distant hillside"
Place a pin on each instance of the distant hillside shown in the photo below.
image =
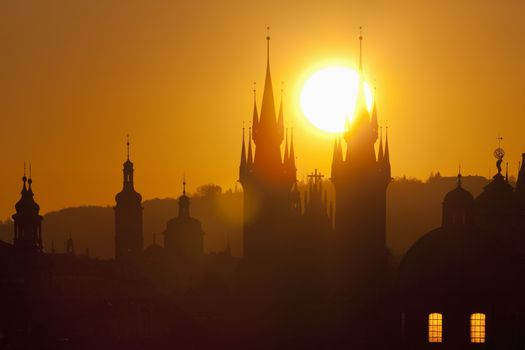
(414, 208)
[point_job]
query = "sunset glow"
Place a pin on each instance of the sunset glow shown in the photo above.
(329, 96)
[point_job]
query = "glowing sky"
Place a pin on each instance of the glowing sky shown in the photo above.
(77, 76)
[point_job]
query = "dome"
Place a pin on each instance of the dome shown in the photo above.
(458, 196)
(27, 205)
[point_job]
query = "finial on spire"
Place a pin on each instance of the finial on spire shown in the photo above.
(184, 184)
(268, 44)
(127, 144)
(24, 178)
(254, 89)
(459, 176)
(30, 180)
(360, 49)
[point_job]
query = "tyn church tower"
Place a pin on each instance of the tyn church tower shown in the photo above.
(361, 180)
(267, 178)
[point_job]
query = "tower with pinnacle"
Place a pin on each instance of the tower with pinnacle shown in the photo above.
(27, 220)
(361, 179)
(267, 177)
(128, 218)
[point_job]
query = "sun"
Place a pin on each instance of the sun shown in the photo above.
(329, 96)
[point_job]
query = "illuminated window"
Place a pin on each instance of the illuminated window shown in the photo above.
(435, 328)
(477, 328)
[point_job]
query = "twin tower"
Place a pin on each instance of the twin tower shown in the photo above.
(360, 175)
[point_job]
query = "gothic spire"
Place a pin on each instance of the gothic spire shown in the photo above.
(380, 155)
(267, 118)
(373, 121)
(250, 153)
(280, 119)
(243, 151)
(255, 117)
(286, 154)
(459, 176)
(387, 152)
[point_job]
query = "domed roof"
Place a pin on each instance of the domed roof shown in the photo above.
(27, 205)
(458, 195)
(450, 260)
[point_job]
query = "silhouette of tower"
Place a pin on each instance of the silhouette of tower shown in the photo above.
(184, 237)
(128, 218)
(27, 221)
(266, 178)
(360, 180)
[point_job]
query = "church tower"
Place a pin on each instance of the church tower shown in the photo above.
(266, 178)
(184, 237)
(128, 218)
(360, 180)
(27, 220)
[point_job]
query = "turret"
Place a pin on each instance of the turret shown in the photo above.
(27, 221)
(128, 217)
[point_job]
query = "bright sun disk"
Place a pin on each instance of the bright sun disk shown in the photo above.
(329, 97)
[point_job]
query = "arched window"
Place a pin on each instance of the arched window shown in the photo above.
(477, 327)
(435, 328)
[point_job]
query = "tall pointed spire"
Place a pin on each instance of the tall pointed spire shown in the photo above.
(267, 117)
(250, 153)
(373, 120)
(286, 153)
(459, 176)
(380, 154)
(387, 152)
(255, 117)
(280, 118)
(243, 150)
(361, 121)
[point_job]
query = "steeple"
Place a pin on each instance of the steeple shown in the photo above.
(128, 170)
(267, 120)
(250, 153)
(255, 117)
(243, 152)
(280, 119)
(286, 153)
(459, 177)
(373, 121)
(184, 201)
(387, 152)
(380, 154)
(27, 221)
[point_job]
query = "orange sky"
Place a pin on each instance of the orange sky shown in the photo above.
(76, 76)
